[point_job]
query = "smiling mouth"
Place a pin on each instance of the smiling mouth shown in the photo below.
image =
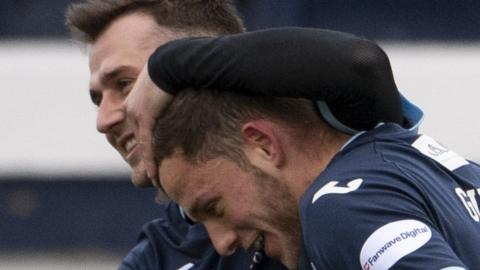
(129, 149)
(130, 144)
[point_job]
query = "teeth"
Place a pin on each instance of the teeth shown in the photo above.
(130, 144)
(258, 245)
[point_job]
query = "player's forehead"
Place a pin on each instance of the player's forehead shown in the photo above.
(175, 177)
(184, 181)
(127, 35)
(125, 45)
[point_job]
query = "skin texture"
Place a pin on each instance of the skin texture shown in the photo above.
(116, 60)
(269, 190)
(212, 200)
(146, 97)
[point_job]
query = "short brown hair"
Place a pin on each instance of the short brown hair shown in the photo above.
(89, 19)
(206, 124)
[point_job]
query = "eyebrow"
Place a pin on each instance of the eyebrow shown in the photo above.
(110, 75)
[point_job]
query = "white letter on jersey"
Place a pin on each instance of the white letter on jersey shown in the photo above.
(393, 241)
(331, 187)
(469, 201)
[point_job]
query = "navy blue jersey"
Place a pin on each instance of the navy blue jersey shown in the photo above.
(171, 242)
(393, 199)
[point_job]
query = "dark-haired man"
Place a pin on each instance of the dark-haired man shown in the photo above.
(121, 36)
(386, 198)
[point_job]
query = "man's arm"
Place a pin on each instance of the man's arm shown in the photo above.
(351, 74)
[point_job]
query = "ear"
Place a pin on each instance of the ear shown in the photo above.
(263, 145)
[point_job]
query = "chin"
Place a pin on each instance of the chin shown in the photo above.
(140, 179)
(290, 259)
(290, 265)
(289, 256)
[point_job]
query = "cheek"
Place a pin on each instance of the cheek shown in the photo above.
(111, 140)
(243, 215)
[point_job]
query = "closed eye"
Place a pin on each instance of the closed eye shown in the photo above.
(213, 210)
(200, 211)
(125, 85)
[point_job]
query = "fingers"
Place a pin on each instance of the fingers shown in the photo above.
(145, 132)
(143, 106)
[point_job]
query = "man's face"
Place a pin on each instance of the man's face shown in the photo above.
(116, 59)
(239, 208)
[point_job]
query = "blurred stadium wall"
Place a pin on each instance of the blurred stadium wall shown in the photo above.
(65, 197)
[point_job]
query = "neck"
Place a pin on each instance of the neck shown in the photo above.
(311, 160)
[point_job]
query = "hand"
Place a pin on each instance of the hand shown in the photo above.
(143, 106)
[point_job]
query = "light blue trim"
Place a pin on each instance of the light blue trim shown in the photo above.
(352, 139)
(453, 268)
(331, 119)
(412, 113)
(358, 134)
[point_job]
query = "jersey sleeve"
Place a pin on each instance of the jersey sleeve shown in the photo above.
(367, 223)
(352, 75)
(141, 257)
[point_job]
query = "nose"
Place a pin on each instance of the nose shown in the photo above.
(224, 240)
(110, 113)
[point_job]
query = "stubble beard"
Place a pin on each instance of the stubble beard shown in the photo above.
(139, 176)
(282, 214)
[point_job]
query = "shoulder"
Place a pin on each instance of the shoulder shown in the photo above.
(369, 201)
(167, 242)
(140, 257)
(358, 192)
(363, 178)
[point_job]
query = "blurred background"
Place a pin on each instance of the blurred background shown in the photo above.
(66, 201)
